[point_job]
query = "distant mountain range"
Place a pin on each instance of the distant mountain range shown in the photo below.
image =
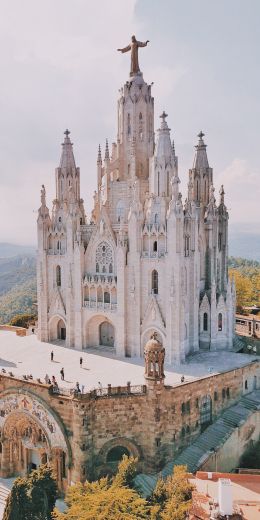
(244, 245)
(9, 250)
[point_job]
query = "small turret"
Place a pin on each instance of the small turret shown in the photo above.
(154, 354)
(67, 175)
(201, 174)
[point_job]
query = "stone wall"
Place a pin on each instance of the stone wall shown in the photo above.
(153, 425)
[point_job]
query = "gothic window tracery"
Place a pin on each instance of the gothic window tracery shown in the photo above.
(104, 258)
(58, 275)
(205, 322)
(155, 281)
(140, 126)
(120, 211)
(128, 124)
(220, 322)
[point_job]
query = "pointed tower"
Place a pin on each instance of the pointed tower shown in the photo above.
(201, 175)
(67, 174)
(135, 122)
(163, 165)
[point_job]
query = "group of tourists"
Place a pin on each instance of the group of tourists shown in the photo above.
(54, 383)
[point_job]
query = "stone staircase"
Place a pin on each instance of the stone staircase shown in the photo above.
(209, 441)
(4, 492)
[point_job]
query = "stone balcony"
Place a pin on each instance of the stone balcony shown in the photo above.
(100, 306)
(56, 252)
(153, 254)
(100, 279)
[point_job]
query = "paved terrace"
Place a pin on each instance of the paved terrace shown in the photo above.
(27, 355)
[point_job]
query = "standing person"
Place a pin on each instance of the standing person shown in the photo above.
(52, 355)
(62, 374)
(80, 361)
(100, 388)
(47, 379)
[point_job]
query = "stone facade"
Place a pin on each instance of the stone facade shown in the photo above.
(85, 436)
(145, 260)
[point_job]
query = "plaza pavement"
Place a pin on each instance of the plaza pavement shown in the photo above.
(27, 355)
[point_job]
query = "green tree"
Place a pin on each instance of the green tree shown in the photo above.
(32, 497)
(173, 496)
(23, 320)
(107, 500)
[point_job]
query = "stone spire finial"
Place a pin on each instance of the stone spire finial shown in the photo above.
(212, 199)
(43, 195)
(201, 160)
(99, 157)
(67, 160)
(222, 195)
(106, 151)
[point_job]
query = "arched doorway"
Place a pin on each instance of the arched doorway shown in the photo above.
(116, 453)
(31, 436)
(61, 330)
(106, 334)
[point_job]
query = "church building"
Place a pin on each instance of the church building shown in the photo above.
(146, 260)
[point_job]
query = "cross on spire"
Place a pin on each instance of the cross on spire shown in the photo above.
(67, 133)
(201, 135)
(163, 116)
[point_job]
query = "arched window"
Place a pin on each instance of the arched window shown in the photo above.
(58, 275)
(155, 281)
(187, 245)
(197, 190)
(97, 268)
(58, 245)
(156, 218)
(106, 297)
(220, 322)
(128, 169)
(140, 126)
(120, 211)
(117, 453)
(110, 268)
(223, 393)
(205, 321)
(104, 257)
(158, 184)
(155, 245)
(128, 124)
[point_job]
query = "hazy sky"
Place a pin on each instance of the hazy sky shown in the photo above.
(60, 68)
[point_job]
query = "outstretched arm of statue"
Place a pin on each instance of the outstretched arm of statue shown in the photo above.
(142, 44)
(125, 49)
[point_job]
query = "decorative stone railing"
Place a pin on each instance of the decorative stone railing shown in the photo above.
(118, 390)
(153, 254)
(100, 279)
(92, 304)
(57, 252)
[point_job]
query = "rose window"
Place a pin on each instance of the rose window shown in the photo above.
(104, 258)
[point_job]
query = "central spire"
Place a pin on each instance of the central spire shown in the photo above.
(67, 160)
(201, 159)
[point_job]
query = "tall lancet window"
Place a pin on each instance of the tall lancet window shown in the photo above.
(205, 322)
(158, 184)
(155, 281)
(140, 126)
(128, 124)
(58, 276)
(197, 190)
(220, 322)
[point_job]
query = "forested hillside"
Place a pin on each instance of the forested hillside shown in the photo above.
(247, 278)
(17, 286)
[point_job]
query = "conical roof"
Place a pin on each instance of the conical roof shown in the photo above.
(201, 159)
(67, 161)
(163, 146)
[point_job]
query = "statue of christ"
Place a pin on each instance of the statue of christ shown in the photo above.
(133, 47)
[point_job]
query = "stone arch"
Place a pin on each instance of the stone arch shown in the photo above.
(128, 444)
(56, 324)
(32, 434)
(93, 330)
